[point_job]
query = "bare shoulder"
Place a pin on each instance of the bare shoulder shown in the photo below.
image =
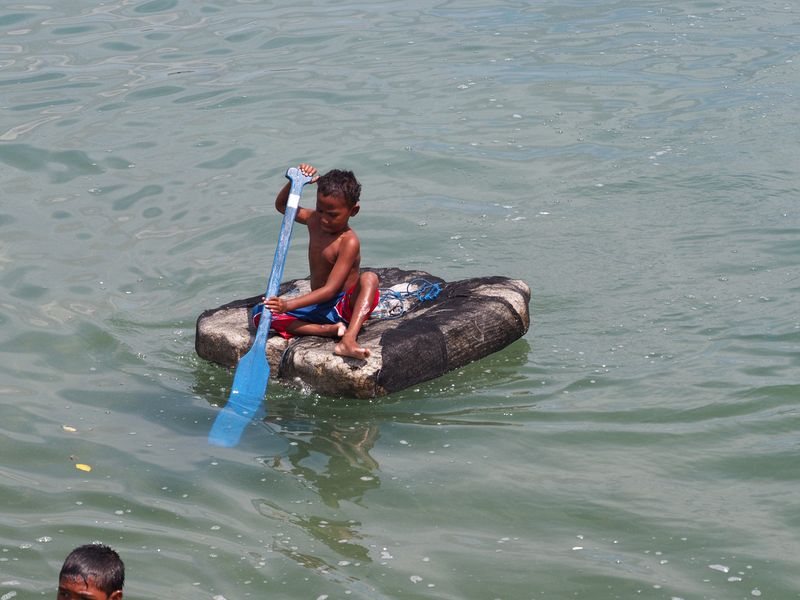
(350, 239)
(347, 248)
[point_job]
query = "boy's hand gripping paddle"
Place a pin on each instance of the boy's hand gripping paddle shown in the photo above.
(252, 372)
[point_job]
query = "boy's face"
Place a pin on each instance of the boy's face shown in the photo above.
(75, 588)
(334, 213)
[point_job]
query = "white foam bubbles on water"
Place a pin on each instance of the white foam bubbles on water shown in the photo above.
(721, 568)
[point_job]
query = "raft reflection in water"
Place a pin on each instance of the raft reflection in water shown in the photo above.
(335, 463)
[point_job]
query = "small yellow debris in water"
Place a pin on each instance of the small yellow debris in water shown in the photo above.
(68, 428)
(83, 467)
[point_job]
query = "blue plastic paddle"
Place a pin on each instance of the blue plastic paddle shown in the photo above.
(252, 372)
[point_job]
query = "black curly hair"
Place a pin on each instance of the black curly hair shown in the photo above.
(340, 183)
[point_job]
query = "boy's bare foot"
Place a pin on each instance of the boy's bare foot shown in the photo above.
(346, 348)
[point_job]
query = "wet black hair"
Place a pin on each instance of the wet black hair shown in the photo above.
(97, 562)
(340, 183)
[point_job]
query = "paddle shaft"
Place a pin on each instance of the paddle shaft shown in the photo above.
(252, 372)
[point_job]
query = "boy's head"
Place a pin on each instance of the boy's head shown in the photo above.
(91, 572)
(342, 184)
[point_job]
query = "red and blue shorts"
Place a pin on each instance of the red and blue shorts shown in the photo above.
(337, 310)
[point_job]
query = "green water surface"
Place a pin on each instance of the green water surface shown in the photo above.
(635, 163)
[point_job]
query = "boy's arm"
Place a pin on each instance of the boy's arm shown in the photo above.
(283, 196)
(347, 257)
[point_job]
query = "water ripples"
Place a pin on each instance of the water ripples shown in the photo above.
(629, 162)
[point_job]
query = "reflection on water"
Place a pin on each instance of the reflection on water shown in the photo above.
(327, 447)
(334, 462)
(331, 459)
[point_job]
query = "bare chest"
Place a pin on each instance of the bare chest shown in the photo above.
(323, 248)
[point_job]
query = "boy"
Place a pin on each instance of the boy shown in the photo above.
(341, 296)
(91, 572)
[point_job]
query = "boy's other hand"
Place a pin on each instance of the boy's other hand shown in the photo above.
(276, 305)
(308, 171)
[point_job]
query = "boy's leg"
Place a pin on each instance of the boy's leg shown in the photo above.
(299, 327)
(364, 295)
(288, 325)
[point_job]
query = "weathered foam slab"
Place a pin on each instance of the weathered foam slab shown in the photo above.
(470, 319)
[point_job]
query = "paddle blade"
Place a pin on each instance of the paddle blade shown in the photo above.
(247, 394)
